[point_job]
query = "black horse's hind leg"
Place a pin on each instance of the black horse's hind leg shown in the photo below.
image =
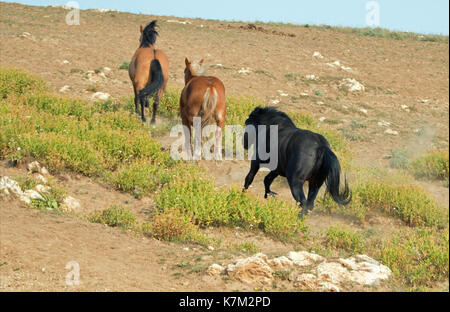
(296, 186)
(254, 167)
(136, 104)
(268, 181)
(155, 108)
(312, 194)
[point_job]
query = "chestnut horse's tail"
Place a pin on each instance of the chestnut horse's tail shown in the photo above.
(157, 80)
(208, 105)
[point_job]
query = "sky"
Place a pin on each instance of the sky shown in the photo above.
(420, 16)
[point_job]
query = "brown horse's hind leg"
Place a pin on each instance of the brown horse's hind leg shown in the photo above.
(187, 139)
(219, 131)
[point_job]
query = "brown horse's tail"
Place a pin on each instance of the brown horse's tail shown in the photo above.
(208, 105)
(157, 80)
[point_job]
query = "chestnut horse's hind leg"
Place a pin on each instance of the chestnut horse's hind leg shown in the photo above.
(268, 181)
(187, 138)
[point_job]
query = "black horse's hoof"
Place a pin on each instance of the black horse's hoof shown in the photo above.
(303, 213)
(153, 121)
(273, 194)
(144, 119)
(244, 190)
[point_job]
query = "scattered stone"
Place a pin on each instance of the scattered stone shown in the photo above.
(100, 96)
(405, 107)
(106, 70)
(71, 203)
(317, 54)
(186, 248)
(424, 100)
(351, 85)
(105, 10)
(178, 22)
(322, 119)
(215, 269)
(210, 248)
(364, 111)
(304, 258)
(391, 132)
(34, 167)
(275, 102)
(245, 71)
(65, 62)
(27, 35)
(383, 123)
(251, 270)
(64, 89)
(311, 77)
(281, 93)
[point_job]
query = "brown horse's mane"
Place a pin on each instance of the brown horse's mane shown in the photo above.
(149, 35)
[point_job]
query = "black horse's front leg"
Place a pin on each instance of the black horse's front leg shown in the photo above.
(254, 167)
(268, 181)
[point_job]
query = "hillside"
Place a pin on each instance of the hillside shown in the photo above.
(401, 115)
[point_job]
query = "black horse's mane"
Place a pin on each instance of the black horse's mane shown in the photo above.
(149, 34)
(270, 116)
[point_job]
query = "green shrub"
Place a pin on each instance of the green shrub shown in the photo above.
(344, 238)
(398, 159)
(125, 65)
(18, 82)
(434, 166)
(419, 257)
(114, 216)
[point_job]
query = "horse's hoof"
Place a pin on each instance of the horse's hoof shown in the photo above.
(244, 190)
(153, 121)
(273, 194)
(302, 213)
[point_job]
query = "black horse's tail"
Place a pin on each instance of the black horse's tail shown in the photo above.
(331, 171)
(157, 80)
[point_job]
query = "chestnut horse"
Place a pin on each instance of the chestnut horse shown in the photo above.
(149, 71)
(204, 97)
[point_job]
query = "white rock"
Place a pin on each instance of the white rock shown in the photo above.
(317, 54)
(251, 270)
(306, 281)
(34, 166)
(351, 85)
(326, 286)
(311, 77)
(178, 22)
(275, 102)
(64, 89)
(210, 248)
(245, 71)
(106, 70)
(322, 119)
(304, 258)
(364, 111)
(391, 132)
(383, 123)
(41, 178)
(332, 272)
(42, 188)
(65, 62)
(405, 107)
(215, 269)
(71, 203)
(100, 96)
(186, 248)
(8, 186)
(28, 195)
(280, 263)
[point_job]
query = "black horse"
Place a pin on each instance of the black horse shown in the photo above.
(302, 156)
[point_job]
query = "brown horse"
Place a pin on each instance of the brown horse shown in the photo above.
(204, 97)
(149, 71)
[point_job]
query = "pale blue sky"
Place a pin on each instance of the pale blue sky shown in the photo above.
(421, 16)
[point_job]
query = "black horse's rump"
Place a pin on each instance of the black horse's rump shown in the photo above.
(149, 34)
(302, 156)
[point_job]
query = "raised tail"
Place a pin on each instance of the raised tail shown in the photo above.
(208, 105)
(331, 168)
(157, 80)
